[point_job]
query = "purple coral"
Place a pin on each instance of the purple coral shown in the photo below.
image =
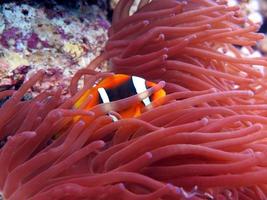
(9, 34)
(103, 23)
(62, 33)
(32, 40)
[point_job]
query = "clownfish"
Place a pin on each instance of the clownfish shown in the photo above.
(117, 87)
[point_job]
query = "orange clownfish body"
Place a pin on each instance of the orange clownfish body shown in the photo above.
(120, 86)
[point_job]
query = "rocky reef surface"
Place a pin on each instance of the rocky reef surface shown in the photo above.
(55, 36)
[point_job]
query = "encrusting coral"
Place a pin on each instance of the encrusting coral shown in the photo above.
(205, 140)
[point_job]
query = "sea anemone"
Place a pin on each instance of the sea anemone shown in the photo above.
(206, 139)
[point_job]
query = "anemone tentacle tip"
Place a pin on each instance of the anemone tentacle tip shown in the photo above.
(259, 126)
(30, 134)
(250, 93)
(149, 155)
(101, 143)
(205, 121)
(214, 90)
